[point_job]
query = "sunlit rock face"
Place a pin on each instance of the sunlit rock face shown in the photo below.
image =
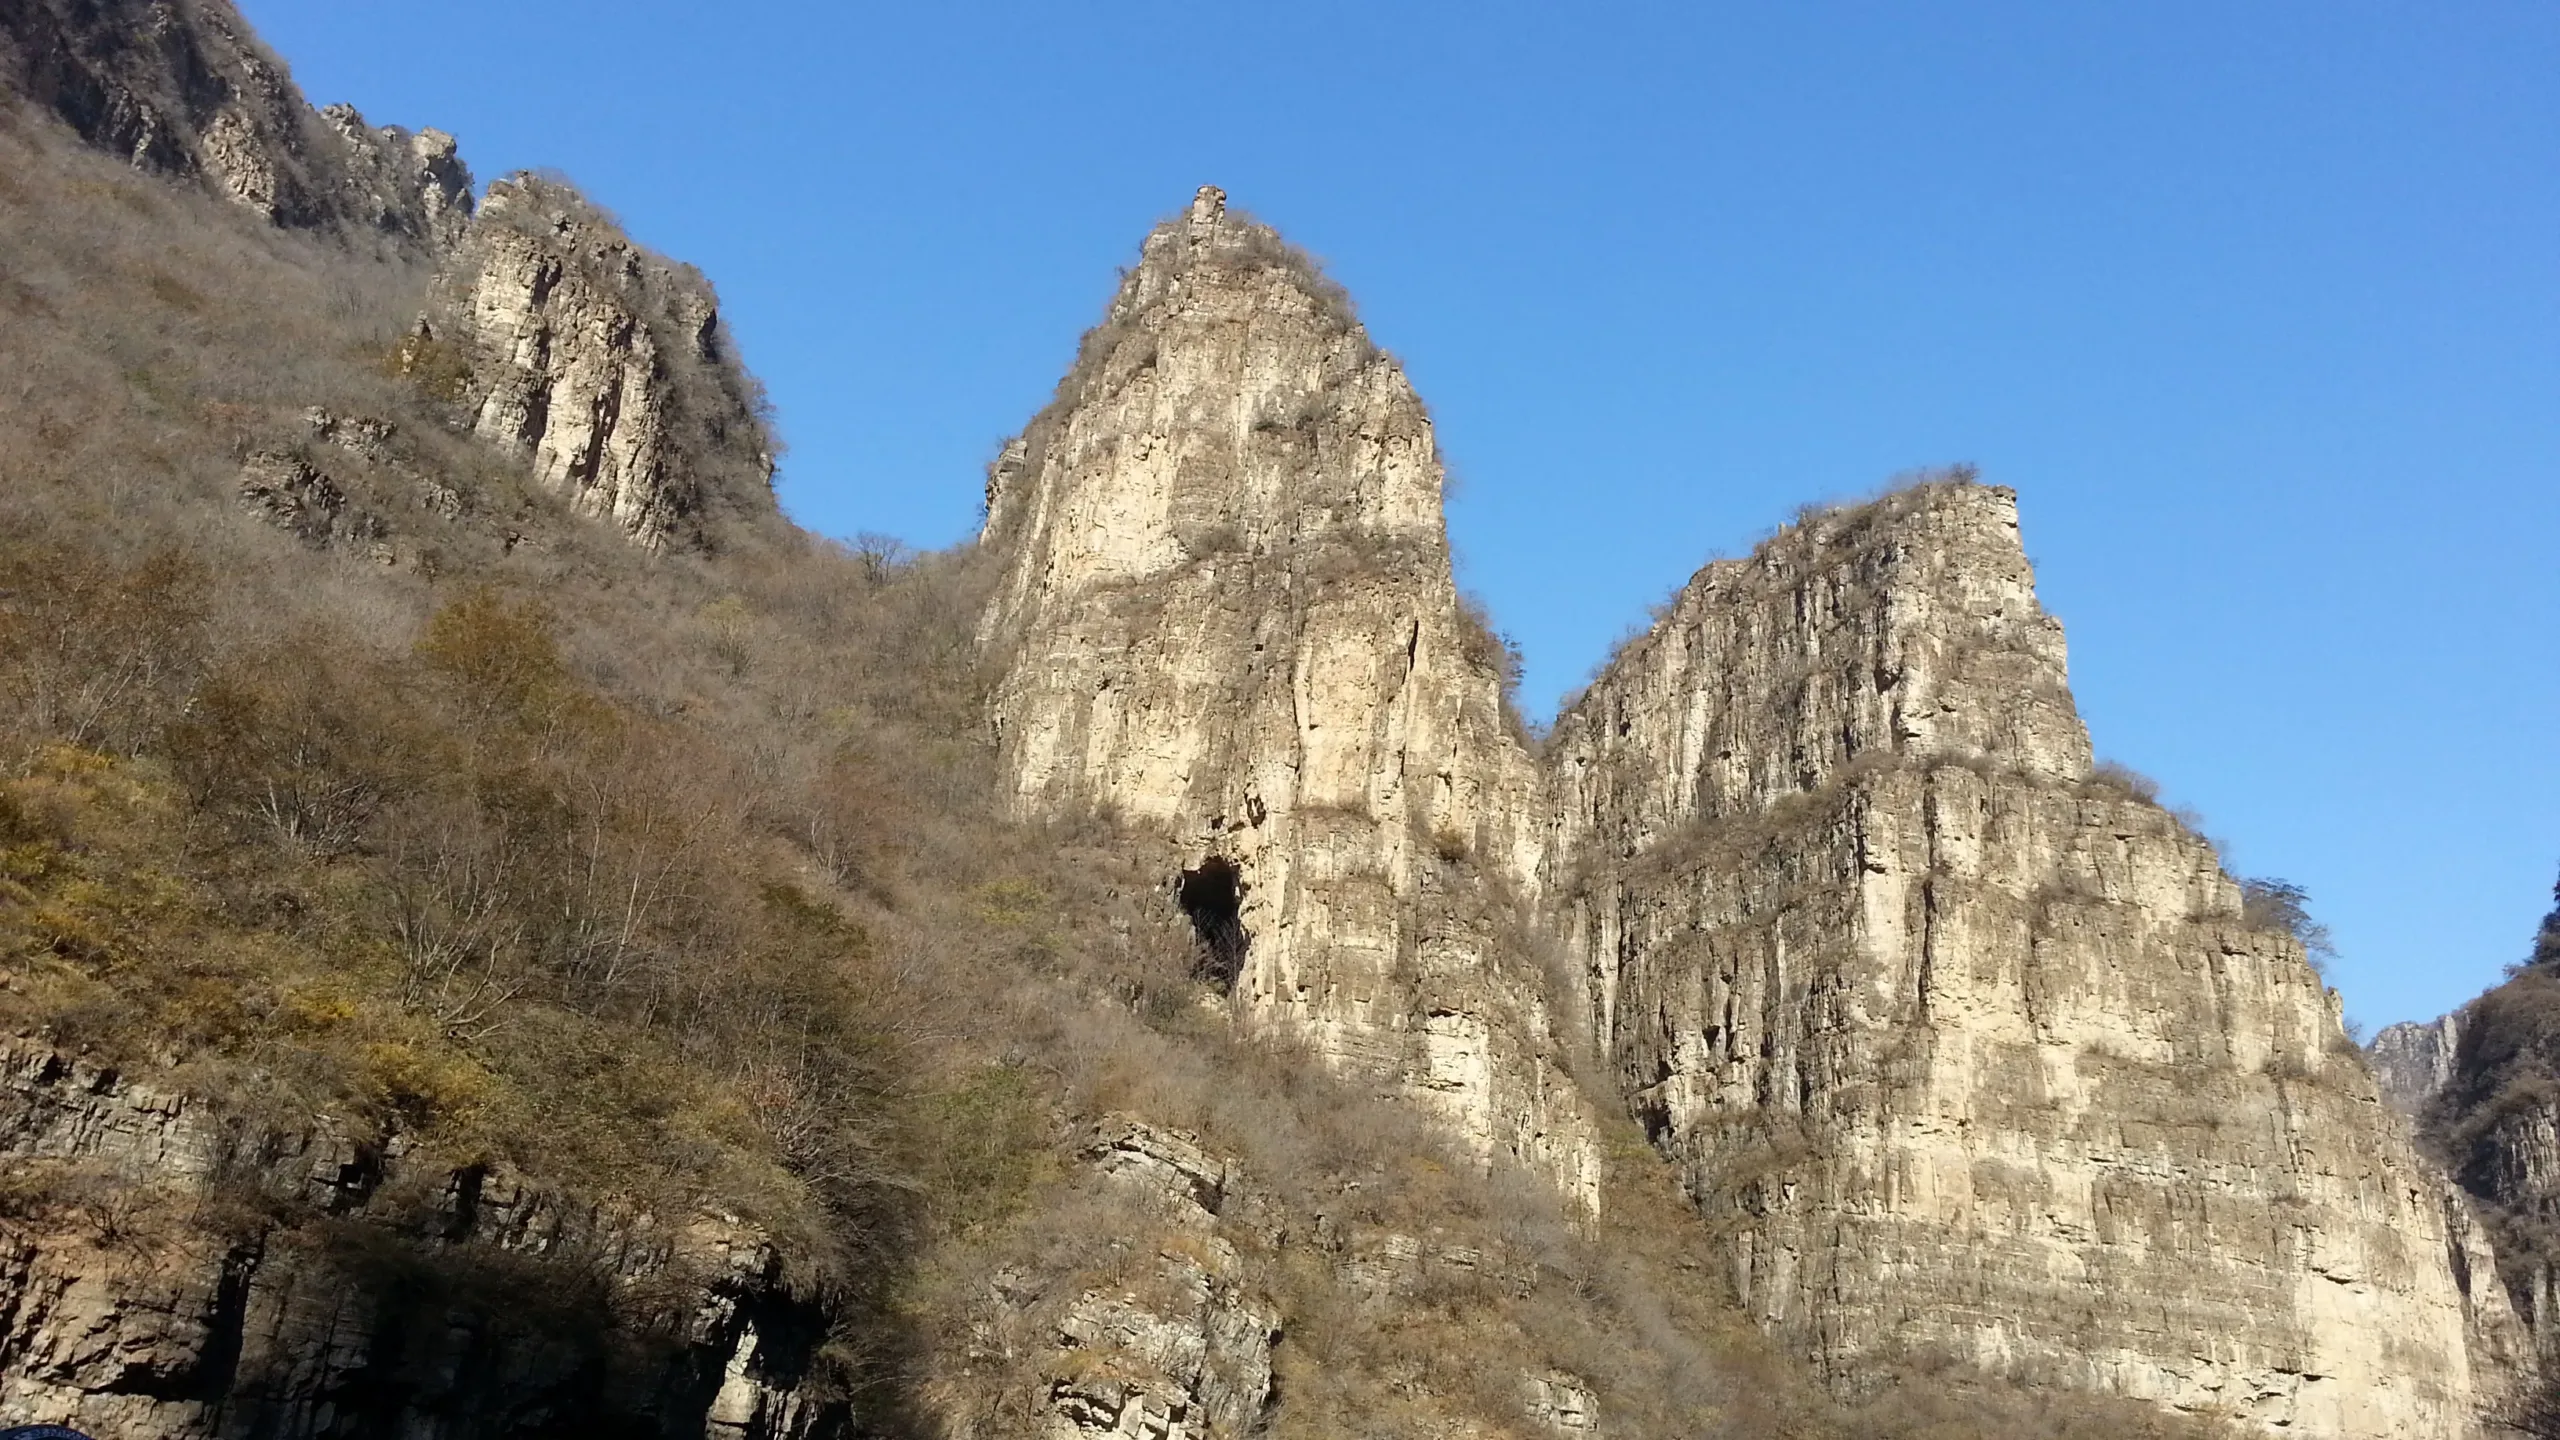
(1226, 614)
(1965, 1041)
(1960, 1038)
(602, 364)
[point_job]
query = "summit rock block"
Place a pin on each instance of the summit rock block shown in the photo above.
(603, 364)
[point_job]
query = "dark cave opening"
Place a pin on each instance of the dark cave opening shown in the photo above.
(1213, 896)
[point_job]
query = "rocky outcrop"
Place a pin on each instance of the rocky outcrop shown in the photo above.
(1163, 1331)
(2413, 1060)
(1226, 614)
(168, 1272)
(182, 88)
(1964, 1041)
(602, 364)
(1183, 1351)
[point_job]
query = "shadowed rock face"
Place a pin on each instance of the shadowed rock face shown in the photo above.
(152, 1292)
(182, 87)
(1226, 614)
(2486, 1080)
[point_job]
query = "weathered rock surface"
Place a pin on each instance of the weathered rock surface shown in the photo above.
(183, 88)
(1965, 1042)
(167, 1273)
(1165, 1332)
(602, 364)
(2413, 1060)
(1185, 1351)
(1226, 615)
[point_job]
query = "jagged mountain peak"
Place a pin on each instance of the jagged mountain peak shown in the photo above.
(1295, 425)
(184, 88)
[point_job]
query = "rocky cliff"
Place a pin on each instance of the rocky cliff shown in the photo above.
(603, 365)
(2413, 1060)
(1964, 1040)
(2493, 1115)
(169, 1271)
(1226, 615)
(600, 364)
(182, 87)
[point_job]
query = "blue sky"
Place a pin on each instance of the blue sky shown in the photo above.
(2257, 305)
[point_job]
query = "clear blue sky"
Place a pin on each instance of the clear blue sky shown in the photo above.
(2257, 305)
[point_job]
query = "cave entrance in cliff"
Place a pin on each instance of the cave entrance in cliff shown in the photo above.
(1213, 896)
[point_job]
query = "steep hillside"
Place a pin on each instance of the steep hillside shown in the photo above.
(183, 89)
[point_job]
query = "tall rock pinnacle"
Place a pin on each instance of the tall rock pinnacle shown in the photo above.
(1226, 614)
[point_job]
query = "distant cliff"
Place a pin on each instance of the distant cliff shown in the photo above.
(2413, 1060)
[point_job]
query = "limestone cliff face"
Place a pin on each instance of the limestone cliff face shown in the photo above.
(604, 365)
(1965, 1042)
(1226, 614)
(183, 88)
(2413, 1060)
(170, 1274)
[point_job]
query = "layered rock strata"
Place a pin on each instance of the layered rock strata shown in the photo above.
(1226, 614)
(603, 365)
(169, 1273)
(1184, 1351)
(1963, 1040)
(182, 88)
